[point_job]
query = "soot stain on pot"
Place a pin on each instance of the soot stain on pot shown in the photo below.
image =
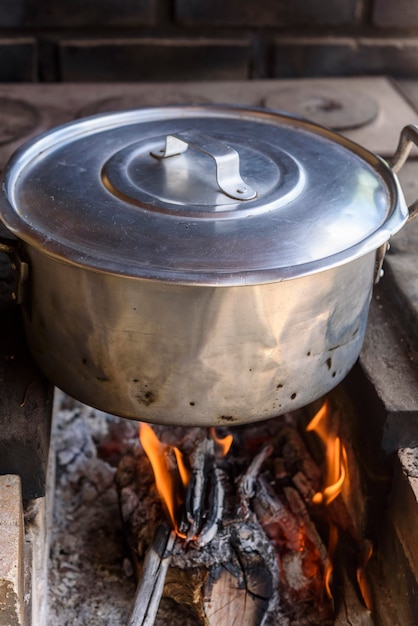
(227, 418)
(147, 397)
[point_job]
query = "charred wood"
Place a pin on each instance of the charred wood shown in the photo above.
(252, 552)
(353, 598)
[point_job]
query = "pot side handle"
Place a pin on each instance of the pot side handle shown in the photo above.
(20, 268)
(6, 247)
(408, 138)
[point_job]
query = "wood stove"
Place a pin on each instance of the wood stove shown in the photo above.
(382, 388)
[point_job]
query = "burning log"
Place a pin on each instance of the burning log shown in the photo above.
(300, 510)
(301, 555)
(213, 578)
(247, 549)
(204, 497)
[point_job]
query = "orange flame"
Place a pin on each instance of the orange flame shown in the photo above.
(183, 471)
(363, 582)
(165, 478)
(335, 475)
(335, 456)
(332, 544)
(172, 479)
(224, 443)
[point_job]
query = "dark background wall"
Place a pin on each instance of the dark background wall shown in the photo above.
(136, 40)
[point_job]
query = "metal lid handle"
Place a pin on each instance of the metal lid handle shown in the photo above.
(226, 159)
(408, 138)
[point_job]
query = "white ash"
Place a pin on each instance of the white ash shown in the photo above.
(91, 580)
(409, 460)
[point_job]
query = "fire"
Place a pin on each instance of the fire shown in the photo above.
(335, 456)
(335, 476)
(183, 471)
(166, 478)
(332, 544)
(362, 580)
(171, 472)
(224, 443)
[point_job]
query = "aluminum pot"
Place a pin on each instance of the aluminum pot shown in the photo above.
(198, 265)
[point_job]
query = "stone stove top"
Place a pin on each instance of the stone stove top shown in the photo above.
(370, 111)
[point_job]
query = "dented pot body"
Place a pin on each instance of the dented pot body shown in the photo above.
(200, 265)
(193, 355)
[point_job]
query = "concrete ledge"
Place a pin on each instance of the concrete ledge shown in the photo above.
(396, 602)
(37, 524)
(11, 551)
(403, 506)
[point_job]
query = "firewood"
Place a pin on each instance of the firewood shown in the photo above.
(251, 552)
(279, 524)
(299, 550)
(200, 459)
(215, 497)
(183, 591)
(229, 603)
(240, 589)
(298, 458)
(299, 509)
(304, 486)
(140, 506)
(205, 495)
(351, 609)
(247, 482)
(151, 585)
(239, 558)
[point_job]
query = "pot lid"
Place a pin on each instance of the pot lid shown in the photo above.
(202, 194)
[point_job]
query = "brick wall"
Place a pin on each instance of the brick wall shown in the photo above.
(133, 40)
